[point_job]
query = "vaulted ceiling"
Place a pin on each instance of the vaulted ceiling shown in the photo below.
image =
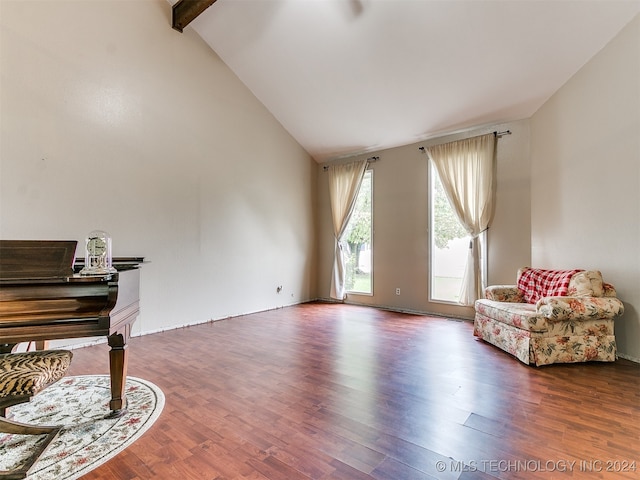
(353, 76)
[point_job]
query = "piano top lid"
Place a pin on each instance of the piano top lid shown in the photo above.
(23, 259)
(119, 263)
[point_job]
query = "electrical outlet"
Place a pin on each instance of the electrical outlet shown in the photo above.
(397, 291)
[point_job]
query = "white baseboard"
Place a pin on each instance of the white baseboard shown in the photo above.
(629, 357)
(408, 311)
(97, 341)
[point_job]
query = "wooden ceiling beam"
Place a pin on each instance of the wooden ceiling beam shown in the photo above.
(185, 11)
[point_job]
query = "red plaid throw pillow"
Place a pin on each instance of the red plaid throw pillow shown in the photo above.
(536, 283)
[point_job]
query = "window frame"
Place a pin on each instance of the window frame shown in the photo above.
(431, 176)
(368, 171)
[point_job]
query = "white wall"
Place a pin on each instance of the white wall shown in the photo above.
(112, 120)
(400, 223)
(585, 181)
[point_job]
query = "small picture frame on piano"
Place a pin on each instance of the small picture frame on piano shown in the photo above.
(98, 257)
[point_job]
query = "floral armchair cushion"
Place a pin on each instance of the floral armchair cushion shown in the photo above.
(588, 283)
(587, 296)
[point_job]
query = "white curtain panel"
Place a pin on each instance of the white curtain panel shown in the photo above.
(467, 169)
(344, 183)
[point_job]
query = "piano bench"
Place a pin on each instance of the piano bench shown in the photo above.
(23, 375)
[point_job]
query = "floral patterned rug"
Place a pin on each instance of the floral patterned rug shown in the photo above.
(87, 439)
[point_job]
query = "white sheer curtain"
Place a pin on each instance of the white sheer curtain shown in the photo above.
(467, 171)
(344, 183)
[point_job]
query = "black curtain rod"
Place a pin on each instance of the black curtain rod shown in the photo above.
(496, 133)
(370, 159)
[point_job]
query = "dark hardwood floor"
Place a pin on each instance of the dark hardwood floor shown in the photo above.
(325, 391)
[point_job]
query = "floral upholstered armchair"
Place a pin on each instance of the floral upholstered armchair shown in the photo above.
(551, 316)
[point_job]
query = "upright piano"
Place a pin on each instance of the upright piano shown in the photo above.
(42, 298)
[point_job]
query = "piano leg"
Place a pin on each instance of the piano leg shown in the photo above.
(118, 359)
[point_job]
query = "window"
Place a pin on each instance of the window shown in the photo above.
(467, 169)
(359, 274)
(449, 246)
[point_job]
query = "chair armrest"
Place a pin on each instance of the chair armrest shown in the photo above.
(579, 308)
(504, 293)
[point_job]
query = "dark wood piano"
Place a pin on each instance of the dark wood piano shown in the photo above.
(42, 298)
